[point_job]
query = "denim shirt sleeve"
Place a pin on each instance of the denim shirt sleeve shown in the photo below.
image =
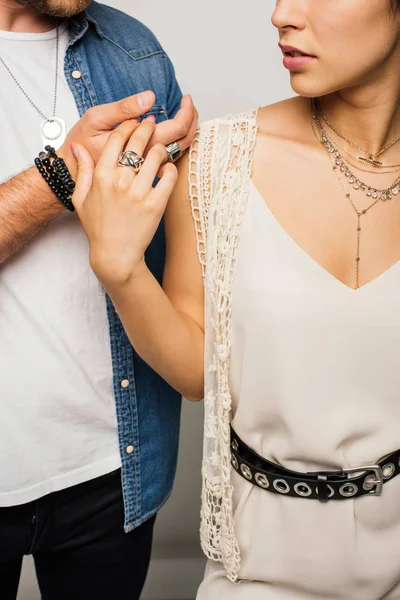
(116, 56)
(175, 94)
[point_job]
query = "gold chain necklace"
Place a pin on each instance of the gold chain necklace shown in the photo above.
(339, 169)
(351, 157)
(371, 157)
(360, 214)
(380, 194)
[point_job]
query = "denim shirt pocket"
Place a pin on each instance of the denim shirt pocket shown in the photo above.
(145, 52)
(150, 60)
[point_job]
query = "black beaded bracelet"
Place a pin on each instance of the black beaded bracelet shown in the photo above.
(57, 176)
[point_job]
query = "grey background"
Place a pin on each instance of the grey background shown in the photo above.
(225, 54)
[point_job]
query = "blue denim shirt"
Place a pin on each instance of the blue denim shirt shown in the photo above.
(117, 56)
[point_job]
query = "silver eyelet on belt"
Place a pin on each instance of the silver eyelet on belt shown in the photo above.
(348, 490)
(262, 480)
(235, 463)
(369, 483)
(331, 491)
(388, 470)
(303, 489)
(246, 472)
(281, 486)
(235, 445)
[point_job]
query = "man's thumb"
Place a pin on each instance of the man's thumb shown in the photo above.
(133, 107)
(84, 175)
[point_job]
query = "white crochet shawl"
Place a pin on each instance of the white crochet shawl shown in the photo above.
(220, 160)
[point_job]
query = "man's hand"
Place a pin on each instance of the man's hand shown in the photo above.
(27, 204)
(94, 128)
(181, 129)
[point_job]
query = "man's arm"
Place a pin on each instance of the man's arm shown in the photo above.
(27, 204)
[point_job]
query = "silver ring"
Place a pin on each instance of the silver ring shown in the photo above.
(52, 137)
(174, 152)
(131, 159)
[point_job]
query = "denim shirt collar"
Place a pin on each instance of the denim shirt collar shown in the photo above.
(79, 24)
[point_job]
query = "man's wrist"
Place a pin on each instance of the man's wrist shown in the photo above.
(65, 153)
(55, 172)
(43, 191)
(42, 187)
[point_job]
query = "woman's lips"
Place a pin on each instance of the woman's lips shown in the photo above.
(295, 59)
(294, 63)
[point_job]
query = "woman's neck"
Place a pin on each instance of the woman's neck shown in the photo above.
(18, 18)
(368, 115)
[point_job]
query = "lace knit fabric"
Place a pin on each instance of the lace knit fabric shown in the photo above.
(220, 158)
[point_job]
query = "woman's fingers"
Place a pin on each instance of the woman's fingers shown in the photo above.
(141, 136)
(116, 144)
(163, 190)
(144, 181)
(84, 175)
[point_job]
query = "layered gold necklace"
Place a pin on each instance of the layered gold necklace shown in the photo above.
(371, 158)
(346, 175)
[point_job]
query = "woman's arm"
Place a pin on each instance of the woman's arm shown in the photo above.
(120, 212)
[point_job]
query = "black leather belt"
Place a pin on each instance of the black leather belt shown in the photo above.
(320, 485)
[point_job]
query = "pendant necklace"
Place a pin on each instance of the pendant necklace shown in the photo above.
(341, 170)
(53, 129)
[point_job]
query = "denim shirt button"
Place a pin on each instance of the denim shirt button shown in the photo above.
(125, 383)
(76, 74)
(129, 449)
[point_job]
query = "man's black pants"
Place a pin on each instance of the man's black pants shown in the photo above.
(78, 544)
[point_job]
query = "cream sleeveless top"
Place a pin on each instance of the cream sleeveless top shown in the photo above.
(307, 370)
(315, 379)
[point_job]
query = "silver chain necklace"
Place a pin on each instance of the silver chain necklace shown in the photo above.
(53, 129)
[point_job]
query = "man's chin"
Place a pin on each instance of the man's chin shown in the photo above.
(57, 8)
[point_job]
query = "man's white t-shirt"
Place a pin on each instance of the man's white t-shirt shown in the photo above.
(57, 411)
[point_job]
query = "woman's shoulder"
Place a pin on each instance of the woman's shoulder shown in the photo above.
(282, 118)
(224, 125)
(215, 137)
(288, 119)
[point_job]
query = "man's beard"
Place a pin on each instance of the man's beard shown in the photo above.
(57, 8)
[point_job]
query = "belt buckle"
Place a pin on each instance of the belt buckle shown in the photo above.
(377, 482)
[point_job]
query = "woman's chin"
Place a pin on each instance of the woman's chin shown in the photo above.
(310, 88)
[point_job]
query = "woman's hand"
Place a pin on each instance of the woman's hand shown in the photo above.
(119, 209)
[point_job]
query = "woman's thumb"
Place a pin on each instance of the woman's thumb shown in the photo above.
(84, 175)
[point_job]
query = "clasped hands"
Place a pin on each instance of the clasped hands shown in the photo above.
(118, 206)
